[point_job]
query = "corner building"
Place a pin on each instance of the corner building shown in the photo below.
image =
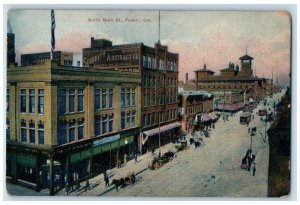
(63, 121)
(158, 71)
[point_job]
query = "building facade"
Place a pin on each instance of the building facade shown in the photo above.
(233, 87)
(64, 121)
(193, 103)
(60, 57)
(158, 70)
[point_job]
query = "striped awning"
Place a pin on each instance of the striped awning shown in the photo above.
(164, 128)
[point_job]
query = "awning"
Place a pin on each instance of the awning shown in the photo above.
(231, 107)
(164, 128)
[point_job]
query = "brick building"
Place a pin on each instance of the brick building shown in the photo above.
(62, 120)
(193, 103)
(233, 87)
(158, 70)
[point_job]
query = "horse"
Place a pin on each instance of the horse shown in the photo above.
(118, 182)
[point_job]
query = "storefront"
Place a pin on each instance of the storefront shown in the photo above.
(159, 136)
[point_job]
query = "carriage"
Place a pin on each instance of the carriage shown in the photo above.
(158, 162)
(245, 118)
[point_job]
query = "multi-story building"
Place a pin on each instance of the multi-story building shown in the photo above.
(60, 57)
(64, 121)
(233, 87)
(158, 70)
(192, 103)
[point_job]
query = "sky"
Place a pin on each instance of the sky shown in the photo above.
(214, 38)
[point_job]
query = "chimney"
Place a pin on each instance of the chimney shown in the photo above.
(186, 78)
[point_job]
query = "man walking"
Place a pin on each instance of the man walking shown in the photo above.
(87, 185)
(253, 169)
(106, 179)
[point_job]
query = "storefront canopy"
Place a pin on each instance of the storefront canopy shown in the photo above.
(231, 107)
(164, 128)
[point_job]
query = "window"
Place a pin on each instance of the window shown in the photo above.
(23, 100)
(148, 99)
(7, 100)
(80, 100)
(144, 100)
(72, 132)
(111, 98)
(41, 134)
(104, 124)
(128, 120)
(62, 101)
(97, 126)
(71, 100)
(23, 132)
(128, 97)
(80, 130)
(104, 98)
(144, 61)
(153, 98)
(123, 120)
(149, 62)
(144, 120)
(7, 130)
(78, 63)
(148, 119)
(153, 82)
(133, 97)
(97, 99)
(32, 133)
(161, 64)
(62, 133)
(122, 97)
(133, 119)
(153, 118)
(110, 123)
(41, 101)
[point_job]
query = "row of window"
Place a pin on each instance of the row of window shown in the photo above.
(221, 86)
(163, 116)
(153, 81)
(126, 100)
(102, 122)
(32, 101)
(100, 97)
(193, 109)
(149, 100)
(72, 131)
(127, 119)
(150, 62)
(30, 132)
(71, 96)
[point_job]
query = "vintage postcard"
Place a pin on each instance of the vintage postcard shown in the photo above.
(148, 103)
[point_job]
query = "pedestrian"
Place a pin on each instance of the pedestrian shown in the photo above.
(125, 158)
(77, 182)
(118, 163)
(135, 158)
(253, 169)
(87, 185)
(153, 151)
(106, 179)
(67, 188)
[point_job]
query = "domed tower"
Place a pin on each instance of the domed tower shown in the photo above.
(246, 66)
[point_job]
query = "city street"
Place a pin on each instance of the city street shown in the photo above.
(213, 170)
